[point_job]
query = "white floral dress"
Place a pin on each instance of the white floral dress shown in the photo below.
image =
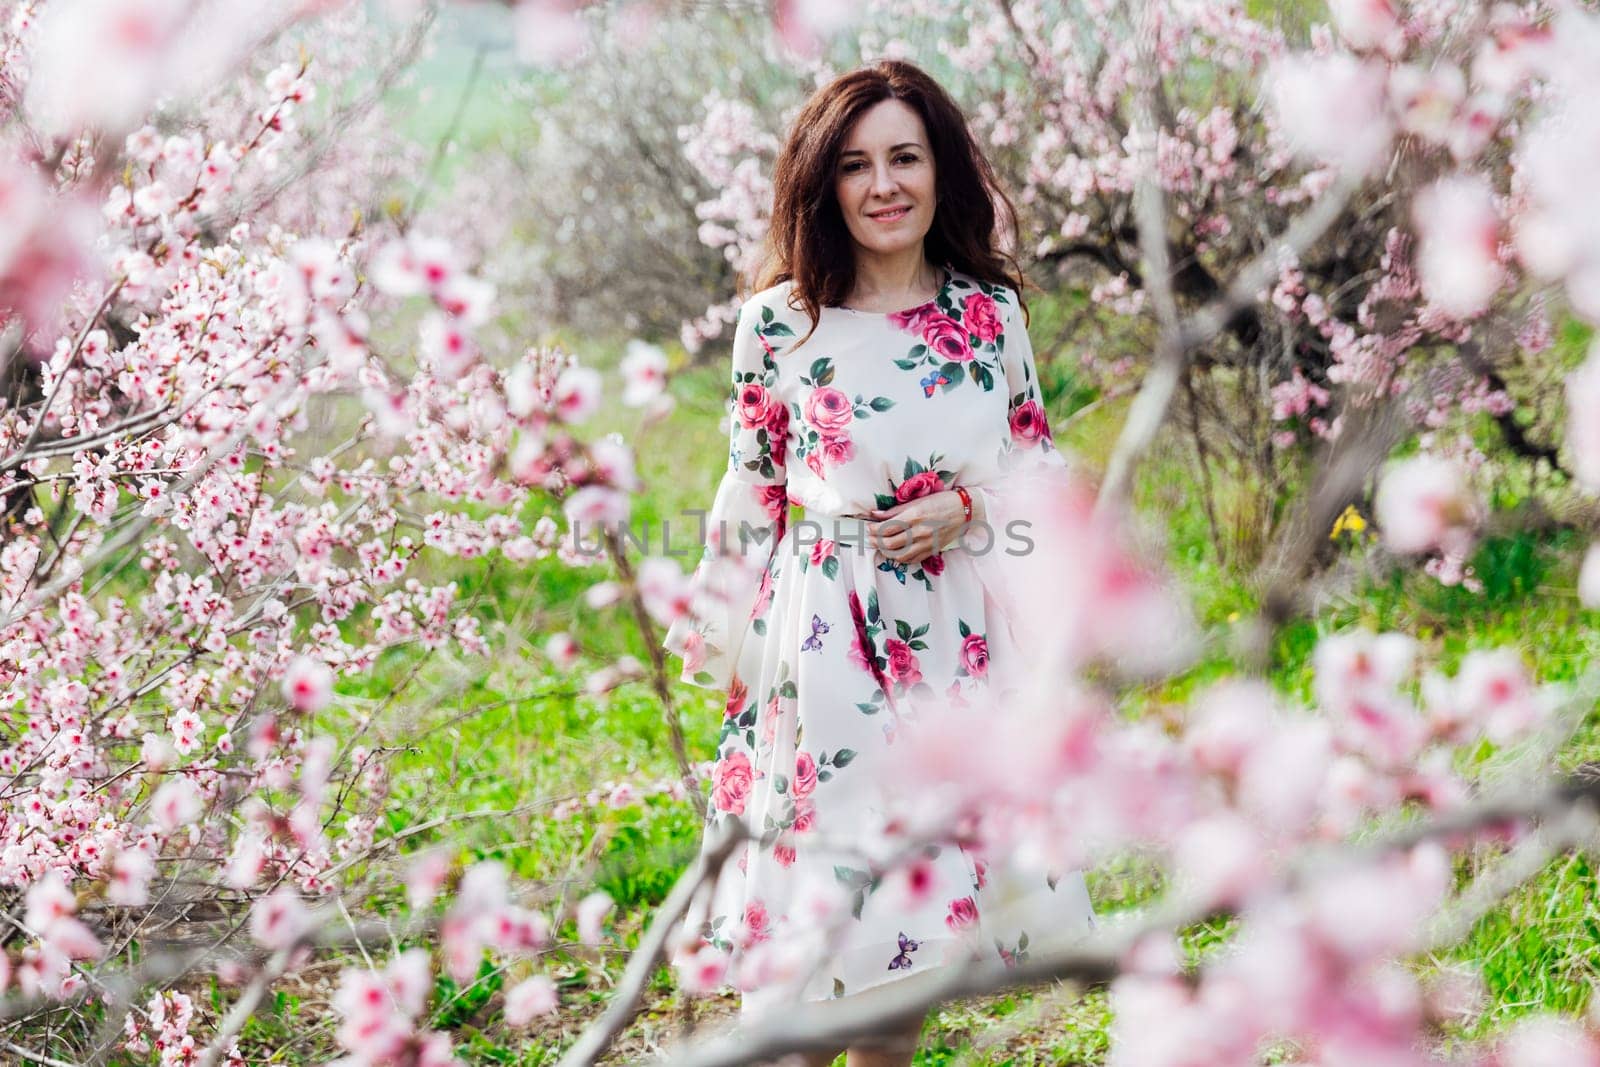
(823, 645)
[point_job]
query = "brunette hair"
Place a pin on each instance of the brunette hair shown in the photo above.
(808, 240)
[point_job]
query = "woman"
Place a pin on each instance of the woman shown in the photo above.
(883, 379)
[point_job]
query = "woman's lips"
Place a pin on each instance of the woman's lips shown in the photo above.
(891, 216)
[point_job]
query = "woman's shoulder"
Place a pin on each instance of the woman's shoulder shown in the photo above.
(774, 298)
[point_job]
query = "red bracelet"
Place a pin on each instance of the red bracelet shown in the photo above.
(966, 503)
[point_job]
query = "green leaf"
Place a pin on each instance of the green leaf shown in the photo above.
(851, 876)
(779, 329)
(827, 375)
(867, 709)
(966, 631)
(919, 631)
(703, 677)
(918, 352)
(766, 313)
(1022, 942)
(819, 367)
(843, 757)
(881, 403)
(902, 629)
(906, 364)
(788, 690)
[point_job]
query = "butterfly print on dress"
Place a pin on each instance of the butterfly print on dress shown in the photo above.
(818, 628)
(903, 960)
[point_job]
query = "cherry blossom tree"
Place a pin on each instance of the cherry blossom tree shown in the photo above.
(241, 419)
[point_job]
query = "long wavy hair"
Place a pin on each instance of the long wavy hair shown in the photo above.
(808, 240)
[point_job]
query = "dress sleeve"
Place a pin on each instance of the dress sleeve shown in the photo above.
(1032, 481)
(748, 515)
(1031, 438)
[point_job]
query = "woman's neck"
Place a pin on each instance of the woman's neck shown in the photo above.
(893, 282)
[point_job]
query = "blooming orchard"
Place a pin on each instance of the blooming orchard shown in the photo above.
(241, 415)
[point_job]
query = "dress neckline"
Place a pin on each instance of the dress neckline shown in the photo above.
(949, 276)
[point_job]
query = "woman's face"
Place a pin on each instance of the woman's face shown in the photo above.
(886, 163)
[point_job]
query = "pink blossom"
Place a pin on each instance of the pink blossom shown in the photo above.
(1583, 420)
(912, 884)
(644, 373)
(591, 915)
(562, 649)
(307, 684)
(1423, 503)
(1369, 25)
(549, 33)
(596, 506)
(1333, 108)
(279, 919)
(1457, 256)
(702, 971)
(175, 803)
(531, 998)
(577, 394)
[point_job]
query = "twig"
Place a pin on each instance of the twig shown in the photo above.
(641, 965)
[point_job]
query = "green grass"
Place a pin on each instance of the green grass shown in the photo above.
(478, 738)
(1533, 950)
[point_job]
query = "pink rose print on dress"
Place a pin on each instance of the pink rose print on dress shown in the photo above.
(837, 450)
(757, 926)
(783, 851)
(763, 595)
(981, 316)
(805, 815)
(737, 693)
(858, 652)
(924, 483)
(915, 320)
(963, 914)
(778, 433)
(1028, 424)
(821, 551)
(974, 653)
(754, 406)
(805, 775)
(775, 500)
(829, 410)
(731, 781)
(903, 665)
(934, 564)
(947, 339)
(769, 721)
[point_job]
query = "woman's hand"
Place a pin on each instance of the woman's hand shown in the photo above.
(911, 532)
